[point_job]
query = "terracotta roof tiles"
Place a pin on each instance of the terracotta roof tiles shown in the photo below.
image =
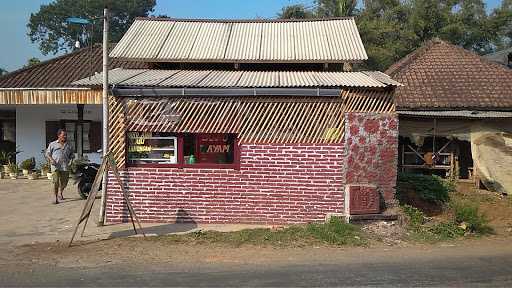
(60, 72)
(440, 76)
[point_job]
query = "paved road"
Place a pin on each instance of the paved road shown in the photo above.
(446, 267)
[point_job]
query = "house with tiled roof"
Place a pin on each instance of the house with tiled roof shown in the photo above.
(38, 100)
(455, 110)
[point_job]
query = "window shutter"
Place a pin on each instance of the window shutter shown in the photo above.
(95, 136)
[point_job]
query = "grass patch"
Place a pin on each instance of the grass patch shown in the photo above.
(423, 231)
(467, 214)
(335, 232)
(464, 220)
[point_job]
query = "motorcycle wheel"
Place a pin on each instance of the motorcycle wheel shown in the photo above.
(84, 189)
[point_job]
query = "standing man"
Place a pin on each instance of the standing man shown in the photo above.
(60, 154)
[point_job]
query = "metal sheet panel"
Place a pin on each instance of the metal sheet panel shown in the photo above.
(149, 40)
(149, 78)
(185, 78)
(332, 40)
(221, 79)
(180, 41)
(277, 42)
(246, 79)
(211, 41)
(245, 42)
(115, 76)
(259, 79)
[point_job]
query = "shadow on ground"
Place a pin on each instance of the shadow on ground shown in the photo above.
(158, 230)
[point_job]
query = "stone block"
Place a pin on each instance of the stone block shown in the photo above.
(361, 199)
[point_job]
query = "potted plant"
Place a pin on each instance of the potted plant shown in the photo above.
(6, 157)
(45, 168)
(28, 166)
(4, 160)
(34, 175)
(14, 170)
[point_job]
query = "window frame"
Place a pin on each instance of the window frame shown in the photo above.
(181, 156)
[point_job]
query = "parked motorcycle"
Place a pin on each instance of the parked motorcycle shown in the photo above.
(85, 175)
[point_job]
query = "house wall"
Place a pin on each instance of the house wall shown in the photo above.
(276, 183)
(31, 130)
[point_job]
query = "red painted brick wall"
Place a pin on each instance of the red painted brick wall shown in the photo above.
(372, 152)
(276, 184)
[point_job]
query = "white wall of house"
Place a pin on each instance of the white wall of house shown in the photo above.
(31, 128)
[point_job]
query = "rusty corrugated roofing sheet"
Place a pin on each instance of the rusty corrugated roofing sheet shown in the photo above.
(241, 79)
(178, 40)
(442, 76)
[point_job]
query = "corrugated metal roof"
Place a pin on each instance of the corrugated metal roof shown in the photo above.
(241, 79)
(458, 114)
(179, 40)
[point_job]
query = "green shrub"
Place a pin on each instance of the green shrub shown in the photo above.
(469, 214)
(446, 231)
(28, 164)
(428, 188)
(416, 217)
(13, 168)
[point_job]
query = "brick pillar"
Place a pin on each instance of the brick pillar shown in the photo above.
(371, 157)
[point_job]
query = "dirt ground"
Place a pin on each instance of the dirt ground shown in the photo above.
(29, 217)
(496, 207)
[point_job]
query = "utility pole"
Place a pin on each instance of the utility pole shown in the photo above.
(101, 219)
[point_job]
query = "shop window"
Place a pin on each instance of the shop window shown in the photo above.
(91, 141)
(182, 150)
(209, 149)
(152, 148)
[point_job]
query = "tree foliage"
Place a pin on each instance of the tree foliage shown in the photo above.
(335, 8)
(3, 71)
(49, 29)
(390, 29)
(297, 11)
(32, 61)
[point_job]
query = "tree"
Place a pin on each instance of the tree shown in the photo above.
(501, 21)
(335, 8)
(32, 61)
(3, 71)
(297, 11)
(49, 29)
(385, 32)
(390, 29)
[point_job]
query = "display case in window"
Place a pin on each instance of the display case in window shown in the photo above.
(152, 148)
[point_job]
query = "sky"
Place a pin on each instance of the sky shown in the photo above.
(16, 48)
